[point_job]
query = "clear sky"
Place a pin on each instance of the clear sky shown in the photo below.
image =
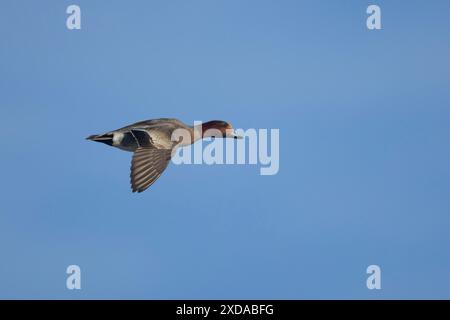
(364, 119)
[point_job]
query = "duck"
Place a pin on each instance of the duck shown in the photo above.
(152, 144)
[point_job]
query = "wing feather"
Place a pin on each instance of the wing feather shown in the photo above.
(147, 165)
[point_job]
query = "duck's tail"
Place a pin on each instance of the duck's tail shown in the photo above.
(106, 138)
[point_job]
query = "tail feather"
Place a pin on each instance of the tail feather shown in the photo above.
(106, 138)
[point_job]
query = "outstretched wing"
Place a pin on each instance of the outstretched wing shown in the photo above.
(147, 165)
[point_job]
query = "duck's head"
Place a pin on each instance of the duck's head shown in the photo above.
(215, 127)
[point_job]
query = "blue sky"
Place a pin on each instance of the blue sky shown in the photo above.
(364, 150)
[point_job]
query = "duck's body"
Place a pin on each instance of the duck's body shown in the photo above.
(157, 132)
(152, 143)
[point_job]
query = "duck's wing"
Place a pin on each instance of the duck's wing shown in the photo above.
(153, 124)
(147, 165)
(159, 137)
(142, 138)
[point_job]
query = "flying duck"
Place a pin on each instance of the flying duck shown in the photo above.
(152, 145)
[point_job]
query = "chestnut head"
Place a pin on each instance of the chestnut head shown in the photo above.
(218, 128)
